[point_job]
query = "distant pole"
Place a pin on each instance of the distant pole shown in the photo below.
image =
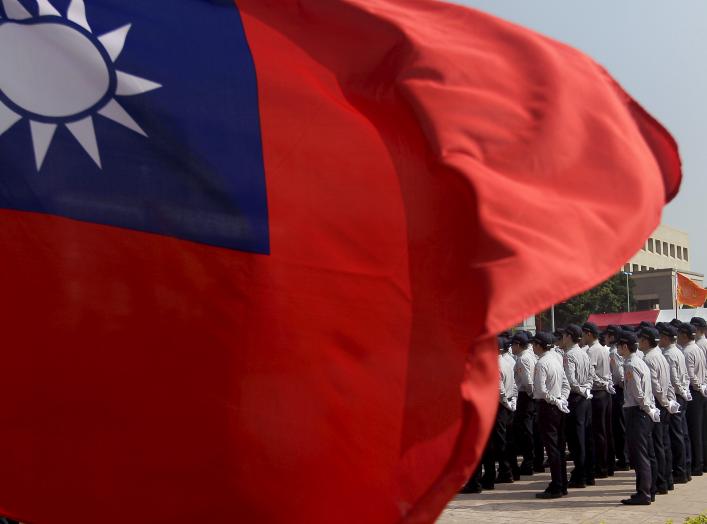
(676, 293)
(552, 317)
(628, 291)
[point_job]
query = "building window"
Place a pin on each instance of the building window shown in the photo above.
(657, 247)
(684, 253)
(627, 268)
(643, 268)
(650, 245)
(672, 250)
(635, 268)
(665, 248)
(680, 252)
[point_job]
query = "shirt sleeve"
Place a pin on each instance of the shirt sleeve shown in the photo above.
(527, 374)
(691, 363)
(661, 396)
(636, 391)
(675, 378)
(571, 374)
(565, 387)
(539, 387)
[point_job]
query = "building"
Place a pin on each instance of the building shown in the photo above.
(653, 268)
(667, 248)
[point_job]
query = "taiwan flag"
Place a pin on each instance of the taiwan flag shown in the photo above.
(254, 255)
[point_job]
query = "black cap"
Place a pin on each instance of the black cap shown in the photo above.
(506, 334)
(687, 329)
(628, 328)
(646, 324)
(627, 337)
(542, 338)
(573, 330)
(613, 329)
(667, 330)
(698, 322)
(520, 338)
(649, 333)
(675, 323)
(591, 327)
(502, 343)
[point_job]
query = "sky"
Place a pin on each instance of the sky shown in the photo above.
(658, 51)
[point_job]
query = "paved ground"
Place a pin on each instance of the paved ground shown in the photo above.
(515, 504)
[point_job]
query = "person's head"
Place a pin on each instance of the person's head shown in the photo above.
(626, 343)
(590, 332)
(571, 335)
(645, 324)
(502, 344)
(667, 335)
(675, 323)
(542, 342)
(612, 333)
(519, 342)
(686, 334)
(700, 325)
(647, 338)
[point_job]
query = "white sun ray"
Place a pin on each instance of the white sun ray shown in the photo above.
(14, 10)
(42, 135)
(129, 85)
(46, 8)
(83, 132)
(8, 118)
(115, 112)
(77, 14)
(114, 41)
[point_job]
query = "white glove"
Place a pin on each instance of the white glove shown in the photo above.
(688, 395)
(703, 389)
(562, 405)
(512, 404)
(610, 388)
(655, 415)
(588, 395)
(673, 407)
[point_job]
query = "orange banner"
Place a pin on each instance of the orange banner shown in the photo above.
(690, 293)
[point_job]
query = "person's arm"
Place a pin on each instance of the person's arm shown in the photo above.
(539, 383)
(661, 396)
(675, 378)
(633, 386)
(565, 387)
(691, 363)
(528, 372)
(571, 374)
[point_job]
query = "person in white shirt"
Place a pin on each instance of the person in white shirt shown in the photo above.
(696, 369)
(579, 421)
(664, 396)
(618, 423)
(602, 387)
(641, 414)
(496, 446)
(525, 411)
(551, 389)
(701, 341)
(679, 438)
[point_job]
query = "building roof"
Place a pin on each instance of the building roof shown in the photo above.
(620, 319)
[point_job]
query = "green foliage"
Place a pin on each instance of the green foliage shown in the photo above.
(700, 519)
(607, 297)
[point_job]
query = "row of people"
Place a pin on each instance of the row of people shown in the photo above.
(639, 401)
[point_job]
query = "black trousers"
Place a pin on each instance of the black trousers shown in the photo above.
(676, 423)
(579, 438)
(639, 428)
(498, 449)
(660, 447)
(601, 418)
(704, 434)
(695, 421)
(618, 428)
(552, 427)
(523, 433)
(538, 453)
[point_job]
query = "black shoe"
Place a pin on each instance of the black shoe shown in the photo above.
(662, 492)
(621, 467)
(576, 485)
(601, 475)
(564, 492)
(591, 482)
(549, 495)
(526, 472)
(538, 469)
(471, 489)
(487, 485)
(696, 473)
(504, 480)
(671, 488)
(610, 473)
(652, 498)
(636, 502)
(680, 481)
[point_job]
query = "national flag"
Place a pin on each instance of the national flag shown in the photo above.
(689, 293)
(253, 257)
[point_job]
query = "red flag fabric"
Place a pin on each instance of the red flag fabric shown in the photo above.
(433, 175)
(689, 293)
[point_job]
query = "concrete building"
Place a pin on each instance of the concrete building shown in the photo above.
(653, 268)
(667, 248)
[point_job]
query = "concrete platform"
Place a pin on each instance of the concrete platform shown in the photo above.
(515, 504)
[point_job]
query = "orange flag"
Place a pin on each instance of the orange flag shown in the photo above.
(690, 293)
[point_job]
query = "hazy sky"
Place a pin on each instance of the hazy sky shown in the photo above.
(658, 51)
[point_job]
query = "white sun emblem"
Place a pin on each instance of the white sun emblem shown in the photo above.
(54, 71)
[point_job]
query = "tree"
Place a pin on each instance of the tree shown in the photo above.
(607, 297)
